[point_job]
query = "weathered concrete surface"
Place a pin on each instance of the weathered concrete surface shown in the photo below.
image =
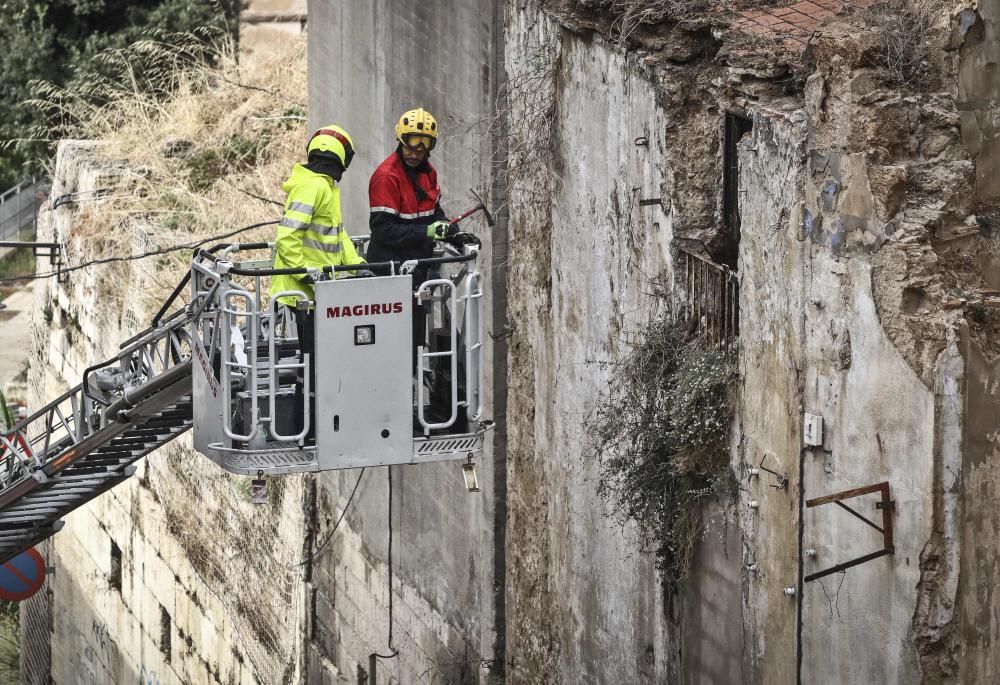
(843, 316)
(265, 23)
(977, 36)
(861, 223)
(369, 62)
(584, 604)
(772, 366)
(978, 605)
(185, 535)
(879, 422)
(15, 337)
(711, 619)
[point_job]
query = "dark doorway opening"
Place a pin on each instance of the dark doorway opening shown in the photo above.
(735, 126)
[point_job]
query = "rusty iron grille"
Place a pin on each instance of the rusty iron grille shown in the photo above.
(711, 300)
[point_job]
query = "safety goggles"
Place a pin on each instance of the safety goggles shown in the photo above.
(418, 141)
(348, 148)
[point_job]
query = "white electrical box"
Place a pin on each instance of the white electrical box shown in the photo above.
(364, 387)
(813, 430)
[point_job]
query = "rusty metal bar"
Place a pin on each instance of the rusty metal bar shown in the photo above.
(846, 565)
(711, 298)
(846, 494)
(687, 287)
(854, 513)
(887, 506)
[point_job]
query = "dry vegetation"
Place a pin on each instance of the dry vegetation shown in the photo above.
(202, 155)
(659, 433)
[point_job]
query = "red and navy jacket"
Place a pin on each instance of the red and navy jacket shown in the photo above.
(398, 218)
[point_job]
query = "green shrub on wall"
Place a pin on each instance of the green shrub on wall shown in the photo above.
(659, 434)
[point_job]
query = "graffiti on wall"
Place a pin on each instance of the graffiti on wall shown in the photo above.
(148, 677)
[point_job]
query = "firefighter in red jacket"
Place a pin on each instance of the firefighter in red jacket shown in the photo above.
(406, 216)
(405, 200)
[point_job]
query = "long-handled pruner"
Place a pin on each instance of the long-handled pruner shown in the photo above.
(481, 207)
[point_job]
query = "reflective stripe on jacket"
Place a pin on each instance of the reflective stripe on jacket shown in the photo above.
(398, 219)
(311, 232)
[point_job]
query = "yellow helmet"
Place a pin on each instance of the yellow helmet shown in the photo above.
(417, 128)
(333, 139)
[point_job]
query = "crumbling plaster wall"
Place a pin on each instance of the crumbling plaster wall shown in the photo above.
(811, 342)
(584, 603)
(975, 35)
(771, 361)
(863, 302)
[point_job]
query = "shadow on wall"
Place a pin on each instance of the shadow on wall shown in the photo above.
(712, 614)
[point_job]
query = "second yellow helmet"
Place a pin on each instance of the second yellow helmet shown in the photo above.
(418, 128)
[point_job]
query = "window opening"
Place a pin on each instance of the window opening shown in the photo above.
(165, 630)
(115, 576)
(735, 127)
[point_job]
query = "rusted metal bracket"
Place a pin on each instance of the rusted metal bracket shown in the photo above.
(886, 505)
(51, 250)
(780, 477)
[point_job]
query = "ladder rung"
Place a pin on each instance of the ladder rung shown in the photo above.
(72, 477)
(25, 507)
(29, 518)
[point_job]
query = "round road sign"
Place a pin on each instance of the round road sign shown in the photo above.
(22, 576)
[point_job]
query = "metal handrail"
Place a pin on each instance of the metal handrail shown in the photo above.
(24, 212)
(230, 317)
(275, 368)
(428, 286)
(57, 433)
(473, 348)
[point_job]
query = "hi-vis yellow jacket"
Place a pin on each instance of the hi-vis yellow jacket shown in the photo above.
(311, 232)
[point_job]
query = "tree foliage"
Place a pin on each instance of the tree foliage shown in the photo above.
(67, 43)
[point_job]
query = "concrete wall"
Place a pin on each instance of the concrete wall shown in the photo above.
(977, 604)
(861, 264)
(584, 603)
(771, 361)
(857, 213)
(811, 342)
(209, 586)
(976, 34)
(368, 63)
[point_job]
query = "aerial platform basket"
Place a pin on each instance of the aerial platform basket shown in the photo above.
(270, 396)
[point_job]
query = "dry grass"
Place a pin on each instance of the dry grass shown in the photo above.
(631, 14)
(199, 157)
(903, 35)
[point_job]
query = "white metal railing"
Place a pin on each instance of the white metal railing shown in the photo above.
(426, 292)
(52, 434)
(275, 367)
(473, 328)
(19, 209)
(242, 326)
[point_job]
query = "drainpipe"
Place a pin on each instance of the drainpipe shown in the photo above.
(800, 583)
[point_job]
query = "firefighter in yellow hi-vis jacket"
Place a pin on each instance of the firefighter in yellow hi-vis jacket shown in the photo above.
(311, 232)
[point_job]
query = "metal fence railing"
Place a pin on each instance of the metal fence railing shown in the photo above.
(711, 298)
(19, 210)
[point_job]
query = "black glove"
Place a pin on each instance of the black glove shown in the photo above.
(461, 238)
(364, 273)
(308, 279)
